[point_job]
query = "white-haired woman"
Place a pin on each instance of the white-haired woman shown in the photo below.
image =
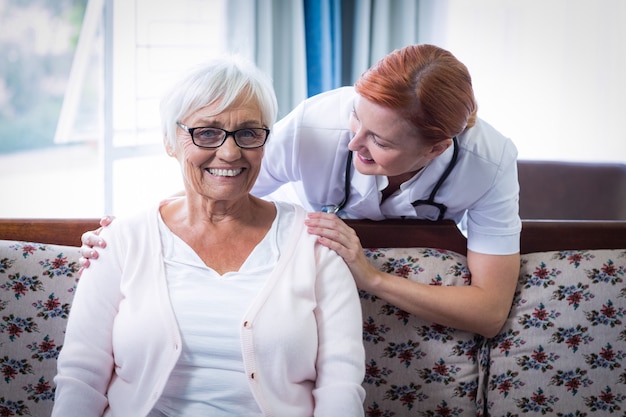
(215, 302)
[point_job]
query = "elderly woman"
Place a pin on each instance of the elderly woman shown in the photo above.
(215, 302)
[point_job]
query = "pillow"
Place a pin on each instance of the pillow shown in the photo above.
(37, 284)
(416, 367)
(562, 351)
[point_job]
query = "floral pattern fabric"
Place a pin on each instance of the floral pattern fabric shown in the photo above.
(37, 284)
(562, 351)
(414, 367)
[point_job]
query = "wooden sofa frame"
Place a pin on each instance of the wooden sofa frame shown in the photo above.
(537, 235)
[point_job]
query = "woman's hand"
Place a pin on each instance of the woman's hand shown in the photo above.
(91, 239)
(333, 233)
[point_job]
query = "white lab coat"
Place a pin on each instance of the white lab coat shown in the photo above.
(309, 148)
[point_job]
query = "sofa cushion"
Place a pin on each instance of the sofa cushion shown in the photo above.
(563, 349)
(36, 288)
(415, 367)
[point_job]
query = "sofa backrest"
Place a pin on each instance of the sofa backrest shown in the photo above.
(559, 190)
(537, 235)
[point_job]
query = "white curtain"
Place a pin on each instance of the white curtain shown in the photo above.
(271, 32)
(381, 26)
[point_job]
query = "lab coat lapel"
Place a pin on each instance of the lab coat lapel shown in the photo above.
(364, 200)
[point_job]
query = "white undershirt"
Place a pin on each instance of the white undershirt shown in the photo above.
(209, 377)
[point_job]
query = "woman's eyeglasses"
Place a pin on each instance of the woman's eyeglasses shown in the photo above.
(213, 137)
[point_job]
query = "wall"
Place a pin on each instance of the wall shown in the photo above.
(548, 74)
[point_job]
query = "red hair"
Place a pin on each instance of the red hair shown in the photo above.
(428, 86)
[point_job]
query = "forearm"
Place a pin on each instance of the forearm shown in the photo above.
(481, 307)
(460, 307)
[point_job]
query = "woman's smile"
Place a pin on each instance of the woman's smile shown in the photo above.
(365, 160)
(221, 172)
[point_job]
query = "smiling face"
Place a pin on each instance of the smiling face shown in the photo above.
(226, 173)
(384, 143)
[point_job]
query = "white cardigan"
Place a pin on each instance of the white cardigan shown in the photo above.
(301, 338)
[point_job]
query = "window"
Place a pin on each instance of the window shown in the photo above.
(152, 43)
(45, 159)
(79, 111)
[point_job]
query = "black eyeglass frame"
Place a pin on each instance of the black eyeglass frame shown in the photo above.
(190, 130)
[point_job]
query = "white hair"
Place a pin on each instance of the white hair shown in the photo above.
(225, 79)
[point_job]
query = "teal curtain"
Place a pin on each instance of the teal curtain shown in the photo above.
(322, 22)
(345, 37)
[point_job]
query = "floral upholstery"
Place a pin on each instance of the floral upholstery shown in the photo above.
(37, 283)
(414, 367)
(562, 351)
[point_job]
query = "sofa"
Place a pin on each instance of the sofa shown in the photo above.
(562, 351)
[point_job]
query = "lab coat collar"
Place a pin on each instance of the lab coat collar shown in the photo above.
(364, 200)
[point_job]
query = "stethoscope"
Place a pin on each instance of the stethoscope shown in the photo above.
(424, 209)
